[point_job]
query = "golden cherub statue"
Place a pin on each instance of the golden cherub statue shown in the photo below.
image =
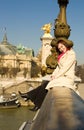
(47, 28)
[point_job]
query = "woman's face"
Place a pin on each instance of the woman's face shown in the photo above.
(62, 47)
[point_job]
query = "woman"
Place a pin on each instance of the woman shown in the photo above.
(64, 74)
(62, 108)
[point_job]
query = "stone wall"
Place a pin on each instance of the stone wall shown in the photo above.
(23, 86)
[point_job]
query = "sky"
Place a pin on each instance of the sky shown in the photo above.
(23, 20)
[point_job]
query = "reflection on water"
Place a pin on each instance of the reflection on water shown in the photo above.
(12, 119)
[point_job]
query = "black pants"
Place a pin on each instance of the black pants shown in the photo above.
(38, 94)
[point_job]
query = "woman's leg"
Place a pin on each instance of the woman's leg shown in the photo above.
(36, 95)
(41, 95)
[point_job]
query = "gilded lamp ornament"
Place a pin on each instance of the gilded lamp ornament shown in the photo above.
(47, 28)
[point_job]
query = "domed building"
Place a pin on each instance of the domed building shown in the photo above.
(6, 48)
(14, 58)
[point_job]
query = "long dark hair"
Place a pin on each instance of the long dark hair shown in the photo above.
(64, 43)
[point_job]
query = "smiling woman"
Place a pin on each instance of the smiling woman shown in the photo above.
(64, 74)
(60, 108)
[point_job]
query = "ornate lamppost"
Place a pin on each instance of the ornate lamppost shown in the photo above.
(62, 29)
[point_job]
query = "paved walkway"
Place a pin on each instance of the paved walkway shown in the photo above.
(4, 83)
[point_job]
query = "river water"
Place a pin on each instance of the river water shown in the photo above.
(12, 119)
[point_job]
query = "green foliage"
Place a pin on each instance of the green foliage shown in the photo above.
(35, 69)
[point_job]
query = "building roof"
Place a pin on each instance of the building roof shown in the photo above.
(6, 48)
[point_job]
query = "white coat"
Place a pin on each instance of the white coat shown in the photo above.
(65, 71)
